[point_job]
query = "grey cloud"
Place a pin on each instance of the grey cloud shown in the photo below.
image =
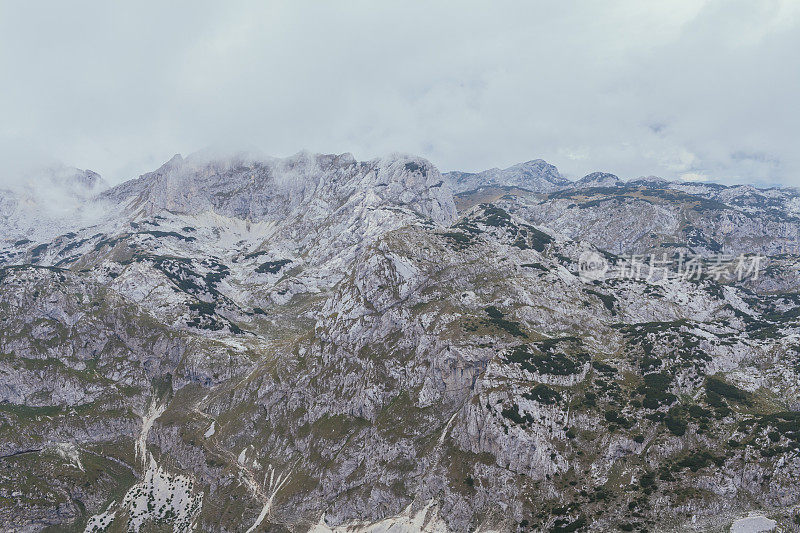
(673, 89)
(657, 127)
(760, 157)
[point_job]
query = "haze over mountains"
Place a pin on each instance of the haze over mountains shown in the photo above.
(63, 189)
(316, 343)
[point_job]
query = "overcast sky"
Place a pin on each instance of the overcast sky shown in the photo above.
(679, 89)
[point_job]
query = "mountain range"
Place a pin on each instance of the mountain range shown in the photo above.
(317, 343)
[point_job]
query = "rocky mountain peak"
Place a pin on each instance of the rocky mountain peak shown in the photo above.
(84, 180)
(648, 181)
(598, 179)
(175, 160)
(259, 188)
(536, 170)
(535, 175)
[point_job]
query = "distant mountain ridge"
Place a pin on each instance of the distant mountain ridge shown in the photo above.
(540, 176)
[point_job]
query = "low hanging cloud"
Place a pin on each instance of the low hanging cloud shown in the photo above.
(685, 89)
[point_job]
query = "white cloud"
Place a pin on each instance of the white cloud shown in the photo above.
(630, 87)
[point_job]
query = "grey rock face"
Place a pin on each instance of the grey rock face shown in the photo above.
(320, 344)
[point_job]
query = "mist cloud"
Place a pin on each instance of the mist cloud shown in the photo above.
(686, 89)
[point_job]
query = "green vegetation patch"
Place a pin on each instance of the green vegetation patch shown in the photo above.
(566, 525)
(784, 423)
(161, 234)
(336, 427)
(537, 266)
(206, 317)
(697, 460)
(613, 417)
(718, 391)
(676, 421)
(543, 394)
(498, 320)
(549, 357)
(272, 267)
(655, 390)
(608, 299)
(513, 414)
(494, 216)
(665, 346)
(29, 412)
(459, 240)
